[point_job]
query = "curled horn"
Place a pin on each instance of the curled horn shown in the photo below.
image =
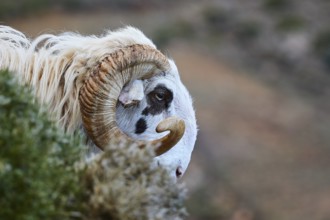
(99, 94)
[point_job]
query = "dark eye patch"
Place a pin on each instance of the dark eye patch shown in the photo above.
(158, 100)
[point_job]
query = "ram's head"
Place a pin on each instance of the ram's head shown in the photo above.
(136, 93)
(115, 85)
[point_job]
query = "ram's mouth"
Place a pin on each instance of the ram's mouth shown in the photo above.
(98, 96)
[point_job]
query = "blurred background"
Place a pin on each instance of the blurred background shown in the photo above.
(259, 72)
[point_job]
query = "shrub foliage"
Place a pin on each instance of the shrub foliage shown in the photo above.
(37, 176)
(43, 173)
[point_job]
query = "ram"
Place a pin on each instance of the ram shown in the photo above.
(110, 86)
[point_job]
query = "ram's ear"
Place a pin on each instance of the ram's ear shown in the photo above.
(132, 93)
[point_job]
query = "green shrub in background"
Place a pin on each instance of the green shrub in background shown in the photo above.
(19, 8)
(217, 19)
(247, 31)
(179, 29)
(276, 5)
(322, 46)
(43, 176)
(290, 23)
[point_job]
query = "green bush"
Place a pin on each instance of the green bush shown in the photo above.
(9, 8)
(43, 176)
(37, 176)
(19, 8)
(216, 19)
(247, 31)
(290, 23)
(322, 46)
(179, 29)
(276, 5)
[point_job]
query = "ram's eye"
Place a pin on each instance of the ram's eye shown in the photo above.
(159, 96)
(158, 100)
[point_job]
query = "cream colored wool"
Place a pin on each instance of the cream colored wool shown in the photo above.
(55, 66)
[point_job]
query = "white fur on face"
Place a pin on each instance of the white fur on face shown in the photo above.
(139, 121)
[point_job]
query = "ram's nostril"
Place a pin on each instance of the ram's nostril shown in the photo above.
(178, 172)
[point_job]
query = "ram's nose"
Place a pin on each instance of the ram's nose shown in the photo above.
(179, 172)
(175, 171)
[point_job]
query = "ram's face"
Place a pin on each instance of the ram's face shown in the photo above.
(143, 104)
